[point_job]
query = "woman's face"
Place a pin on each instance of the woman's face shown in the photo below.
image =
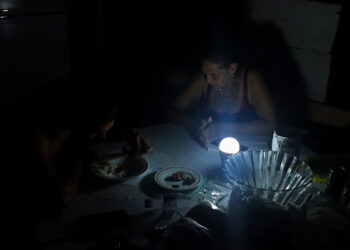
(216, 75)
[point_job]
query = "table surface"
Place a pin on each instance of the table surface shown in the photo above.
(172, 147)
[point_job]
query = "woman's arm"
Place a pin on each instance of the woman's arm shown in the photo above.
(44, 157)
(260, 97)
(178, 111)
(48, 152)
(136, 141)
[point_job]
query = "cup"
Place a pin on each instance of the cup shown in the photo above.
(287, 140)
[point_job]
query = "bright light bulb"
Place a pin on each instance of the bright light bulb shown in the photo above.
(229, 145)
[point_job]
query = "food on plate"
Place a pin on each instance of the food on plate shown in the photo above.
(181, 176)
(109, 169)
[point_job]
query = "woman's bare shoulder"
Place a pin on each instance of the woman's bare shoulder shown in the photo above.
(255, 75)
(256, 84)
(256, 79)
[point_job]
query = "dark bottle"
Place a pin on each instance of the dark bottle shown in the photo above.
(344, 201)
(335, 183)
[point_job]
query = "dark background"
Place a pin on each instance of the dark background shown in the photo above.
(149, 49)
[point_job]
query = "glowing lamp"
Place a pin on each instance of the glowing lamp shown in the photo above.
(228, 147)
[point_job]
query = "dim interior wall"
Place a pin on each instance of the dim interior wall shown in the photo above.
(34, 50)
(308, 28)
(35, 47)
(314, 68)
(33, 6)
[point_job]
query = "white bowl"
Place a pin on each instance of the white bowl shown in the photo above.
(271, 175)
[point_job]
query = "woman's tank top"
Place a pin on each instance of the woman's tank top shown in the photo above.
(246, 111)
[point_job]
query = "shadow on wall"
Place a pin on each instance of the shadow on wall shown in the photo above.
(283, 76)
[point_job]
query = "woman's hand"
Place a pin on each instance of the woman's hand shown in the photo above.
(205, 131)
(139, 143)
(142, 145)
(132, 142)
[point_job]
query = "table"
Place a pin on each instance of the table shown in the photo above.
(172, 147)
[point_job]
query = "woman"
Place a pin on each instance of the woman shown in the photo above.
(66, 121)
(227, 98)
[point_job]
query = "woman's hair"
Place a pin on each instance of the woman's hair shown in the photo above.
(224, 53)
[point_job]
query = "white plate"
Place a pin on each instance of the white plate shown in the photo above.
(119, 168)
(161, 178)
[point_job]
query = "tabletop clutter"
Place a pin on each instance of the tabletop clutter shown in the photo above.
(280, 171)
(255, 174)
(277, 179)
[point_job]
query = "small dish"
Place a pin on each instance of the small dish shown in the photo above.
(178, 178)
